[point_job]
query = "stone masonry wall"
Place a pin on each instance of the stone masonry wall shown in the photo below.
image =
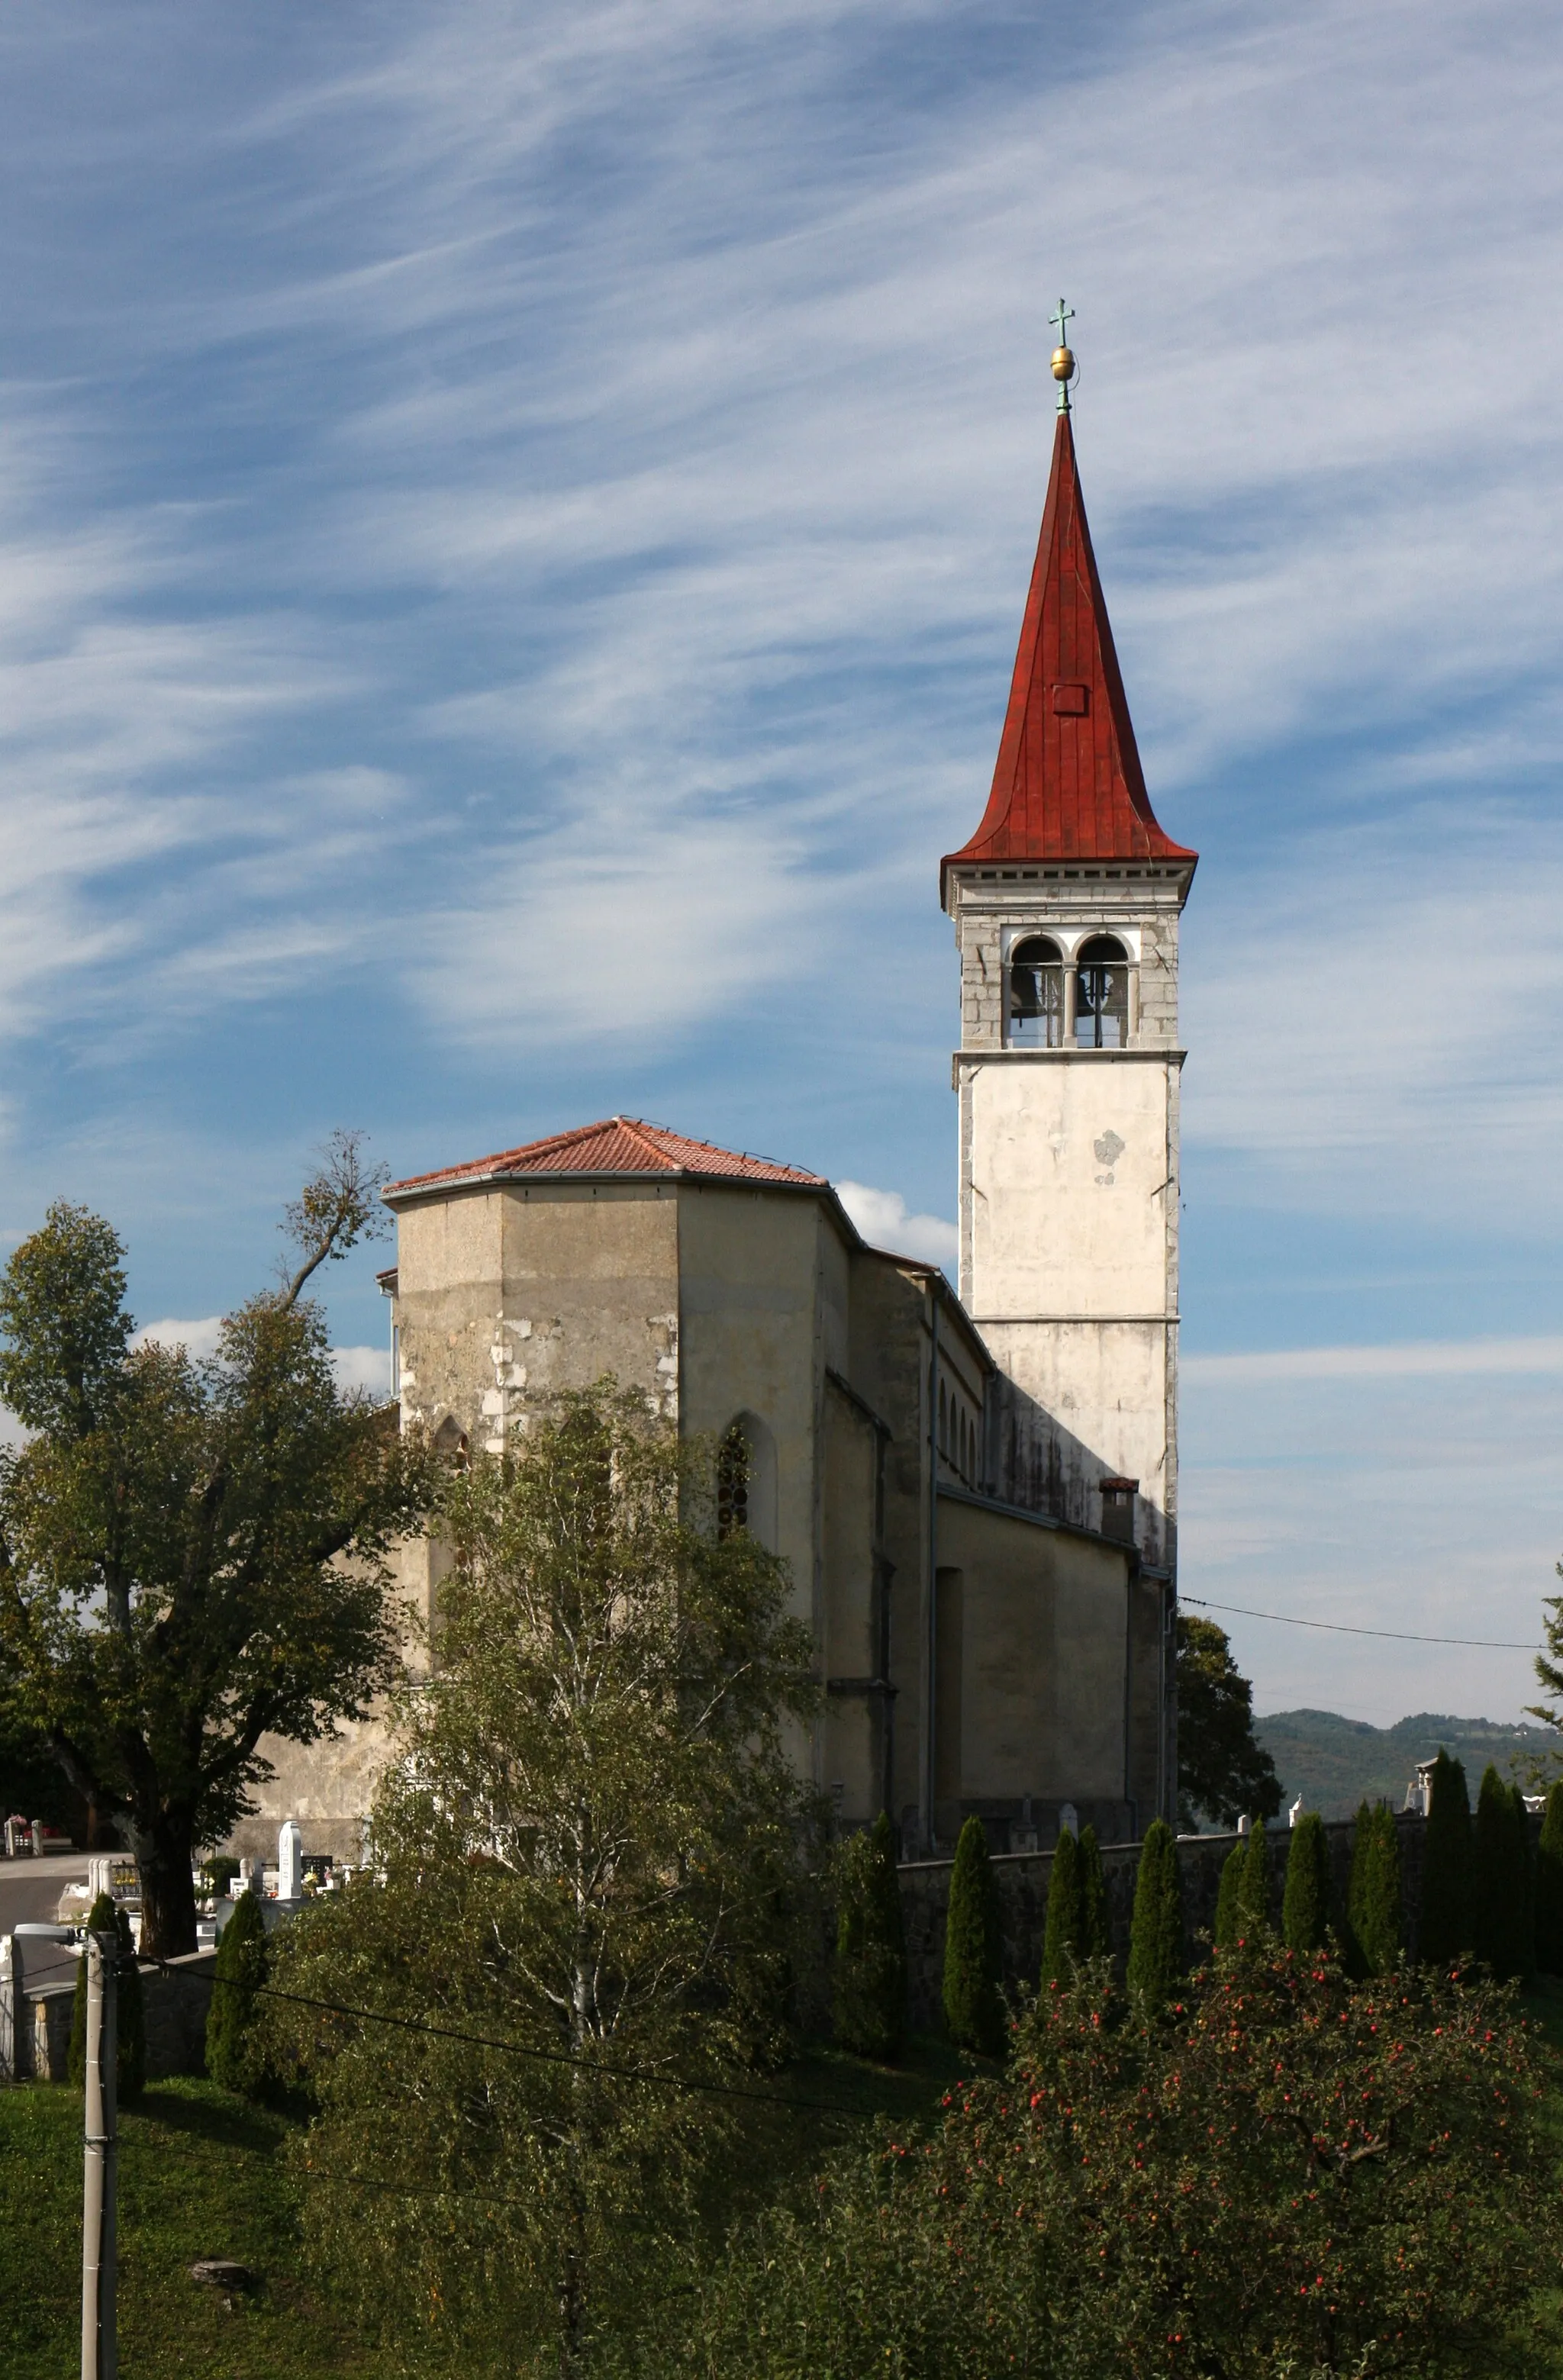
(1022, 1880)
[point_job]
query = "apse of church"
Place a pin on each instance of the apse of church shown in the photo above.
(975, 1494)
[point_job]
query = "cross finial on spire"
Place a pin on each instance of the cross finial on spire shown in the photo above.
(1063, 354)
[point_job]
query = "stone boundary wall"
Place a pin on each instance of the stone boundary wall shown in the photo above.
(175, 1999)
(1022, 1880)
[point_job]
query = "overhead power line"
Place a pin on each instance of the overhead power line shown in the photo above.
(1340, 1628)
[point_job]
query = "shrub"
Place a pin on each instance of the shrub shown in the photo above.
(130, 2039)
(1305, 1904)
(1374, 1919)
(1063, 1938)
(1549, 1885)
(1253, 1886)
(869, 1983)
(1498, 1880)
(1227, 1896)
(217, 1875)
(1095, 1932)
(973, 1969)
(1155, 1941)
(1444, 1928)
(234, 2054)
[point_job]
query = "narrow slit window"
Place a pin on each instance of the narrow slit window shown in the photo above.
(1102, 994)
(1036, 994)
(732, 1482)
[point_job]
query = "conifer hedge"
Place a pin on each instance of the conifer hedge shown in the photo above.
(1375, 1924)
(234, 2056)
(1445, 1933)
(1063, 1935)
(1227, 1896)
(1253, 1886)
(1528, 1863)
(973, 1969)
(1155, 1941)
(1498, 1879)
(869, 1984)
(1095, 1932)
(1305, 1904)
(130, 2039)
(1549, 1885)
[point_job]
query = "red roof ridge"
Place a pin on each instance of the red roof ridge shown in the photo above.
(616, 1145)
(1068, 784)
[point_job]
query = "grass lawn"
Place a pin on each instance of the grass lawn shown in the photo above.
(201, 2174)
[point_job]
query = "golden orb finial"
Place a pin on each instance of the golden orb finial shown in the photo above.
(1064, 365)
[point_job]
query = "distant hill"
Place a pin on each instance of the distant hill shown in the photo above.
(1335, 1763)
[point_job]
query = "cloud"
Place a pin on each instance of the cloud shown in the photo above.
(881, 1216)
(198, 1338)
(1418, 1359)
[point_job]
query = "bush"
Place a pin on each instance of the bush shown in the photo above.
(1305, 1904)
(1155, 1941)
(1374, 1919)
(217, 1875)
(1549, 1885)
(1063, 1940)
(973, 1964)
(1227, 1896)
(1301, 2176)
(1253, 1886)
(869, 1983)
(1445, 1930)
(234, 2054)
(131, 2039)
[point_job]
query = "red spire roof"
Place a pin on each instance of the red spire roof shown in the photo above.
(1069, 784)
(618, 1145)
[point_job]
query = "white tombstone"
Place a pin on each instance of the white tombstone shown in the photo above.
(1068, 1816)
(246, 1877)
(38, 1839)
(290, 1861)
(1245, 1824)
(1295, 1812)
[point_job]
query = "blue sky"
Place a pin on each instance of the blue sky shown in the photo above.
(513, 526)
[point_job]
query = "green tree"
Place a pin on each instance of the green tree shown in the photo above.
(1446, 1922)
(1155, 1941)
(588, 1846)
(235, 2052)
(1223, 1770)
(973, 1948)
(1063, 1938)
(1549, 1885)
(1226, 1930)
(1253, 1886)
(1500, 1894)
(1305, 1903)
(869, 1983)
(1525, 1837)
(1096, 1932)
(130, 2035)
(1376, 1923)
(193, 1555)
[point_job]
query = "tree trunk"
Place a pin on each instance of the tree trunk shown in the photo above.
(163, 1853)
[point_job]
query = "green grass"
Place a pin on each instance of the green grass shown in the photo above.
(201, 2174)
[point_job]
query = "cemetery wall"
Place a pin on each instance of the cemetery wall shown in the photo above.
(174, 1999)
(1022, 1880)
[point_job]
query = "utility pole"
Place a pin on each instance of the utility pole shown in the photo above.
(100, 2353)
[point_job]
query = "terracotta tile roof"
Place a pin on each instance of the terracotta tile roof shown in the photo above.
(618, 1145)
(1068, 784)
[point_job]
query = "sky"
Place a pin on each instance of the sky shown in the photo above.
(513, 528)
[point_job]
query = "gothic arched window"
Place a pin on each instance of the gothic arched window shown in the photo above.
(1035, 997)
(746, 1480)
(1102, 994)
(732, 1481)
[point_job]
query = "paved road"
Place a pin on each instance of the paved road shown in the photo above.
(29, 1889)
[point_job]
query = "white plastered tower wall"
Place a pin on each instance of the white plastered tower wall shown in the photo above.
(1068, 1199)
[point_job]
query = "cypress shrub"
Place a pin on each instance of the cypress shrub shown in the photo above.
(1443, 1932)
(869, 1984)
(1374, 1919)
(1305, 1905)
(973, 2009)
(130, 2039)
(1095, 1940)
(1063, 1941)
(1155, 1941)
(1253, 1886)
(234, 2057)
(1549, 1886)
(1498, 1880)
(1226, 1897)
(1528, 1864)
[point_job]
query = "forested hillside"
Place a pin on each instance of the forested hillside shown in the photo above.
(1335, 1763)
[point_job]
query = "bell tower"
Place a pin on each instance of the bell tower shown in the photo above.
(1065, 903)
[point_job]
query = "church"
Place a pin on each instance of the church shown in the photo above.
(974, 1485)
